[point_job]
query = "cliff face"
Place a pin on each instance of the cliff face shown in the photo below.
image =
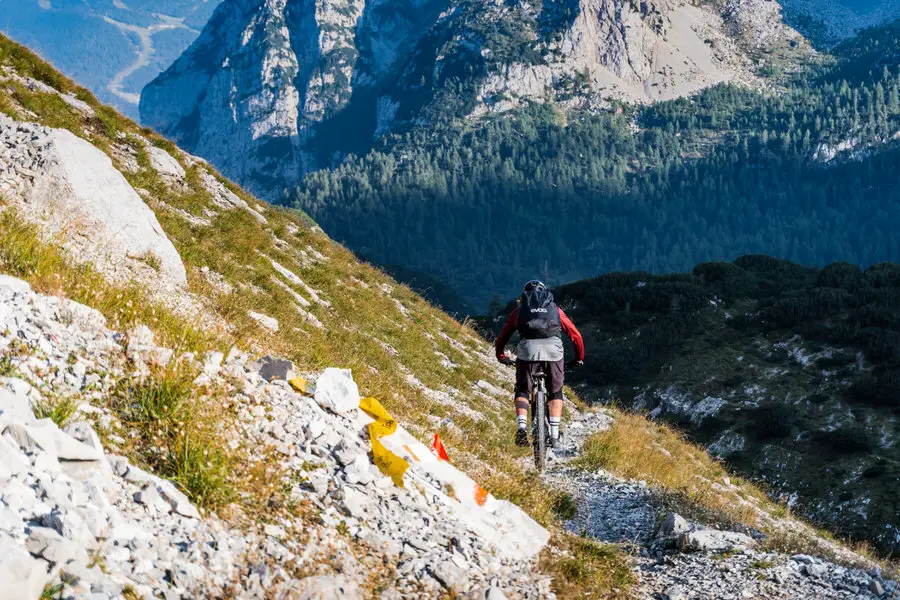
(272, 89)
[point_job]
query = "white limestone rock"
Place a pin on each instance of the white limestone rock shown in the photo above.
(75, 192)
(336, 391)
(15, 407)
(165, 164)
(270, 323)
(712, 540)
(21, 575)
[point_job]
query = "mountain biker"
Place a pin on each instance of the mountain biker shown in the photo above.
(539, 322)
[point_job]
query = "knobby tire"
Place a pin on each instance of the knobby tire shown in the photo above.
(539, 419)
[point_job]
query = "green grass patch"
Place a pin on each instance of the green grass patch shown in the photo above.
(58, 410)
(583, 568)
(24, 253)
(180, 437)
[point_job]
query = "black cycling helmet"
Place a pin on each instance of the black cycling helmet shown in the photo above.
(534, 285)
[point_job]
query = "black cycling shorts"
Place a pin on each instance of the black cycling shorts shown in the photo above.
(525, 371)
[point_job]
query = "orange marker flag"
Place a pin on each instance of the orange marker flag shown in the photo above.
(437, 447)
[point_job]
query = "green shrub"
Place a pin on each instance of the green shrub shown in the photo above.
(848, 439)
(841, 275)
(773, 420)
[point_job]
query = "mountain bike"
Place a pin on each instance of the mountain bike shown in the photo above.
(540, 417)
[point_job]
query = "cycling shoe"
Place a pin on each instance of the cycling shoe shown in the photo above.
(521, 437)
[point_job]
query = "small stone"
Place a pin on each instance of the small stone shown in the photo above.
(150, 497)
(274, 531)
(814, 569)
(71, 526)
(876, 588)
(354, 502)
(318, 480)
(345, 454)
(336, 391)
(449, 575)
(315, 429)
(178, 502)
(676, 592)
(494, 593)
(50, 545)
(359, 471)
(673, 525)
(271, 368)
(213, 364)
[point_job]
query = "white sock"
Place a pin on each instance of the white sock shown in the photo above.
(554, 427)
(522, 420)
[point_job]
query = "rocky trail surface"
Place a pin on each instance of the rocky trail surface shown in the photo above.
(675, 559)
(77, 516)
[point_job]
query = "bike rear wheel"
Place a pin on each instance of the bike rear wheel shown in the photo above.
(539, 429)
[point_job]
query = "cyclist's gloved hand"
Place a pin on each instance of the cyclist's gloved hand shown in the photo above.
(506, 360)
(574, 363)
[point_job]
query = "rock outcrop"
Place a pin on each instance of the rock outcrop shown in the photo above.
(73, 191)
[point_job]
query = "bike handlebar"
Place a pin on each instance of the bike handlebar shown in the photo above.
(569, 366)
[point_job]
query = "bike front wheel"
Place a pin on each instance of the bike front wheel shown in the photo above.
(539, 429)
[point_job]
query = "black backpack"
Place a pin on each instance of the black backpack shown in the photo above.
(538, 315)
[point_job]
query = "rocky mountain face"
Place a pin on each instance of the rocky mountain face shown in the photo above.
(272, 90)
(826, 22)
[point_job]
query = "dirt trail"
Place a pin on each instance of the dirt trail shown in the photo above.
(624, 512)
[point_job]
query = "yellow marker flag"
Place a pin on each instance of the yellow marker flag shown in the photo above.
(299, 384)
(387, 462)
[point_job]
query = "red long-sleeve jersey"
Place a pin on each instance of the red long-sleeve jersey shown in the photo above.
(512, 324)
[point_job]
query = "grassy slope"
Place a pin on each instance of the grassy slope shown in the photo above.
(393, 340)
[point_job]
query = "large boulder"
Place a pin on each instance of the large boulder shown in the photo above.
(75, 191)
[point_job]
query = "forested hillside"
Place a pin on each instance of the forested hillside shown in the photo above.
(791, 374)
(806, 174)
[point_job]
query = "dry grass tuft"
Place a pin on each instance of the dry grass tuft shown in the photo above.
(24, 253)
(181, 434)
(583, 568)
(637, 448)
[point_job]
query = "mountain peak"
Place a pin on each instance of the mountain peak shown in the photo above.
(288, 86)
